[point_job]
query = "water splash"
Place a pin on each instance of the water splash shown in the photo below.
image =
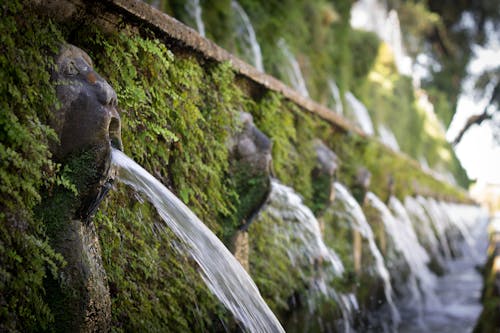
(337, 102)
(193, 8)
(300, 234)
(246, 33)
(414, 253)
(439, 221)
(423, 226)
(285, 204)
(388, 137)
(459, 289)
(360, 224)
(360, 113)
(292, 70)
(221, 272)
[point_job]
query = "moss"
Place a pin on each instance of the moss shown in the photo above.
(176, 119)
(364, 46)
(154, 286)
(292, 133)
(279, 281)
(252, 189)
(321, 188)
(27, 102)
(178, 112)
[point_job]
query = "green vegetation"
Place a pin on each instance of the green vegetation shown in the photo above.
(178, 113)
(319, 35)
(25, 167)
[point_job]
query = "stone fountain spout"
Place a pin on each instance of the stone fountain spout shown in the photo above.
(87, 121)
(88, 126)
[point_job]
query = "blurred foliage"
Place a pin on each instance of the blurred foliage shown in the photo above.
(27, 103)
(326, 48)
(177, 115)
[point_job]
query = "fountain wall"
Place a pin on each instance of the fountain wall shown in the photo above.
(179, 98)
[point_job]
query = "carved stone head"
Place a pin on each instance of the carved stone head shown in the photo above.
(87, 124)
(252, 146)
(87, 117)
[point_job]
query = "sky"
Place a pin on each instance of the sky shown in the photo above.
(478, 153)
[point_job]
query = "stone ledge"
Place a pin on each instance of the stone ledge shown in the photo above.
(113, 14)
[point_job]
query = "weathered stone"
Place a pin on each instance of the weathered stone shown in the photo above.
(88, 125)
(87, 116)
(323, 176)
(250, 155)
(327, 160)
(86, 120)
(241, 248)
(361, 184)
(251, 146)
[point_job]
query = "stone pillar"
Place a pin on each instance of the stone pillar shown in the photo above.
(357, 250)
(323, 176)
(241, 248)
(88, 125)
(250, 160)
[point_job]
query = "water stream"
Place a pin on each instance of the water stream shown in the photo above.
(359, 113)
(439, 222)
(292, 69)
(193, 8)
(423, 227)
(449, 303)
(388, 137)
(337, 101)
(246, 34)
(459, 289)
(222, 273)
(372, 15)
(361, 225)
(300, 234)
(416, 256)
(420, 280)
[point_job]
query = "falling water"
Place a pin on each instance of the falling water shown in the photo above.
(285, 204)
(301, 235)
(293, 72)
(439, 222)
(459, 289)
(246, 33)
(220, 270)
(193, 8)
(422, 224)
(337, 102)
(394, 38)
(414, 253)
(361, 225)
(360, 113)
(388, 137)
(372, 15)
(406, 243)
(463, 217)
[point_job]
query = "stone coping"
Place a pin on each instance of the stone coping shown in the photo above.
(112, 14)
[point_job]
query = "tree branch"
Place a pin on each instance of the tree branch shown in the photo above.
(479, 118)
(476, 119)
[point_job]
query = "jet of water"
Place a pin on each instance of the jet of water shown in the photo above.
(193, 8)
(293, 72)
(246, 33)
(305, 248)
(388, 137)
(334, 89)
(360, 113)
(414, 253)
(361, 225)
(222, 273)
